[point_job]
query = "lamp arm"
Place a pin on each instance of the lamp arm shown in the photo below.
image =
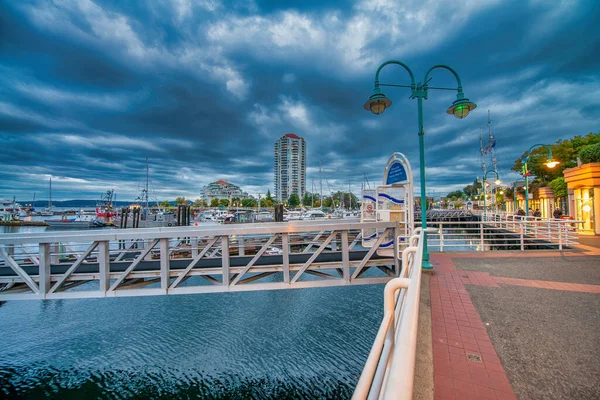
(539, 145)
(496, 173)
(400, 63)
(449, 69)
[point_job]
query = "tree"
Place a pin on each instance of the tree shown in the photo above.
(308, 199)
(590, 153)
(565, 151)
(214, 203)
(457, 194)
(559, 187)
(249, 202)
(294, 200)
(268, 196)
(165, 204)
(224, 202)
(198, 203)
(180, 200)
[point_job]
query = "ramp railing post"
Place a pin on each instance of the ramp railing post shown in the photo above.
(225, 259)
(104, 265)
(346, 257)
(164, 264)
(44, 269)
(285, 244)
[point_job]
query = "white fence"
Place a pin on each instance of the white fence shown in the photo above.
(182, 260)
(503, 232)
(390, 367)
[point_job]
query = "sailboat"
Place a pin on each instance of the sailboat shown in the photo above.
(149, 219)
(48, 211)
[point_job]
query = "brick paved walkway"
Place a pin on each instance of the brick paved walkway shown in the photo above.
(466, 365)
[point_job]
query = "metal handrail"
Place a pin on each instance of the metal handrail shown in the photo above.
(390, 367)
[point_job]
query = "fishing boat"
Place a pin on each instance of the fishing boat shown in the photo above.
(10, 210)
(81, 221)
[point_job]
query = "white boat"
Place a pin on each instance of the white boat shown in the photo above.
(263, 216)
(81, 221)
(314, 215)
(10, 210)
(292, 216)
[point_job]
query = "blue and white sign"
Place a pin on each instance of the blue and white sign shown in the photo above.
(396, 174)
(397, 170)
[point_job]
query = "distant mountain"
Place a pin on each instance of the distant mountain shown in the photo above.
(75, 203)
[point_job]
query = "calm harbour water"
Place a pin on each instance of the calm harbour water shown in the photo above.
(305, 343)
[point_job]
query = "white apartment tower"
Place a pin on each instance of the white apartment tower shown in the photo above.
(290, 167)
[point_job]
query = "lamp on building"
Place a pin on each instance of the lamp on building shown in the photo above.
(551, 163)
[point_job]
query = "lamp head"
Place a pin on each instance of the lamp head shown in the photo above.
(497, 181)
(461, 107)
(377, 103)
(552, 163)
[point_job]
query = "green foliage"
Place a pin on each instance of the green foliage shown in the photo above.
(165, 204)
(294, 200)
(471, 190)
(565, 151)
(269, 197)
(340, 198)
(180, 200)
(590, 153)
(224, 202)
(559, 187)
(310, 198)
(249, 202)
(457, 194)
(214, 203)
(198, 203)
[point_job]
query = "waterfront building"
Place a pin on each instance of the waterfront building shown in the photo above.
(583, 186)
(290, 166)
(222, 189)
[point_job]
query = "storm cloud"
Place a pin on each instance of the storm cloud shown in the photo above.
(203, 88)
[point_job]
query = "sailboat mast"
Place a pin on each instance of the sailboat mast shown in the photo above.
(349, 197)
(492, 142)
(147, 178)
(321, 181)
(50, 196)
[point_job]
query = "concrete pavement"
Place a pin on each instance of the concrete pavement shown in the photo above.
(522, 325)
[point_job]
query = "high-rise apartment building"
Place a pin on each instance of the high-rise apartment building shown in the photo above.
(290, 167)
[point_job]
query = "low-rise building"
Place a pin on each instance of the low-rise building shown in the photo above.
(222, 189)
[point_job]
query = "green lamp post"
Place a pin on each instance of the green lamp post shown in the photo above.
(460, 108)
(515, 194)
(497, 182)
(551, 163)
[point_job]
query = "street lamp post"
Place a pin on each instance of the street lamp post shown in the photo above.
(515, 194)
(551, 163)
(461, 107)
(497, 182)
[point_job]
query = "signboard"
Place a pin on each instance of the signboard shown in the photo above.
(397, 170)
(396, 174)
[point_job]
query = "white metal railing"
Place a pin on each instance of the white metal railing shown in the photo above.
(503, 232)
(390, 367)
(182, 260)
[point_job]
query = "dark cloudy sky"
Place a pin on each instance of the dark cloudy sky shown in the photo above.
(203, 88)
